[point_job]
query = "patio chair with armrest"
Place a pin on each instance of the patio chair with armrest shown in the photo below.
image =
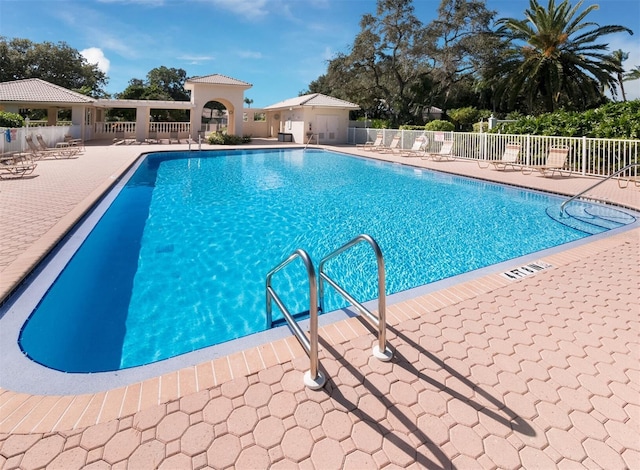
(61, 150)
(174, 137)
(375, 145)
(445, 152)
(16, 165)
(418, 148)
(72, 141)
(36, 152)
(392, 147)
(556, 161)
(152, 138)
(510, 158)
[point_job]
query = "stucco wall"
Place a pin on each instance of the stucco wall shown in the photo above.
(300, 121)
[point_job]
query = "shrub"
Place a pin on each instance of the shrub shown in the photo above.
(485, 126)
(411, 127)
(611, 121)
(378, 123)
(439, 125)
(219, 138)
(11, 120)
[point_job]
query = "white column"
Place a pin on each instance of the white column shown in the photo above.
(142, 123)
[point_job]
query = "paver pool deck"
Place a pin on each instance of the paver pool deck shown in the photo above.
(538, 372)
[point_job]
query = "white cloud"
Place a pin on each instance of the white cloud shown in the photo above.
(196, 59)
(250, 54)
(250, 9)
(94, 55)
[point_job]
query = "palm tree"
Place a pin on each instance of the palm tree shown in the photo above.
(618, 57)
(552, 61)
(633, 74)
(248, 102)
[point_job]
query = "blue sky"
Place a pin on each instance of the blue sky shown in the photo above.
(279, 46)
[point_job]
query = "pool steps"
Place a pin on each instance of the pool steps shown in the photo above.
(590, 219)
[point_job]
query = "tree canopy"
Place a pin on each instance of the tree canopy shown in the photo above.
(398, 67)
(162, 83)
(58, 63)
(555, 60)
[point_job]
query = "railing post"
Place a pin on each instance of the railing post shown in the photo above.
(380, 350)
(584, 155)
(313, 378)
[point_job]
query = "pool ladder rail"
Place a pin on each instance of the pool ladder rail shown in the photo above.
(598, 183)
(314, 379)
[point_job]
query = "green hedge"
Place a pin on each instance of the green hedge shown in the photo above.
(611, 121)
(438, 125)
(220, 138)
(11, 120)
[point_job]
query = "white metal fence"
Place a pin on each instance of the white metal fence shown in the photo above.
(587, 156)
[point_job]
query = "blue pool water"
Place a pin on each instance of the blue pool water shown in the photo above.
(178, 261)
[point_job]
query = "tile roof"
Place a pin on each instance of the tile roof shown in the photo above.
(217, 79)
(35, 90)
(314, 99)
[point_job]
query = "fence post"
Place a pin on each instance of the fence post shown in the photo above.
(485, 152)
(528, 154)
(584, 155)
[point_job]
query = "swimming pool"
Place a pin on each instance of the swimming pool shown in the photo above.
(187, 243)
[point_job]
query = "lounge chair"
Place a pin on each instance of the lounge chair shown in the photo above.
(556, 161)
(16, 165)
(509, 159)
(130, 139)
(376, 144)
(38, 153)
(392, 147)
(61, 150)
(625, 181)
(72, 141)
(418, 148)
(174, 137)
(153, 137)
(445, 152)
(119, 138)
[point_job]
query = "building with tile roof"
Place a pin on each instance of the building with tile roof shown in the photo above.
(314, 117)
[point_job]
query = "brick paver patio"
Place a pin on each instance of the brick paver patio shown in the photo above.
(540, 372)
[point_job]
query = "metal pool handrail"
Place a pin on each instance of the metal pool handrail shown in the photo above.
(598, 183)
(313, 378)
(380, 350)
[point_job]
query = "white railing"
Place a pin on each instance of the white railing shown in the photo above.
(587, 156)
(112, 129)
(162, 127)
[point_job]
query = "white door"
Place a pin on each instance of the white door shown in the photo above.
(326, 128)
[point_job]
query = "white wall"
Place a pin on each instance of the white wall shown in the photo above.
(232, 97)
(296, 121)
